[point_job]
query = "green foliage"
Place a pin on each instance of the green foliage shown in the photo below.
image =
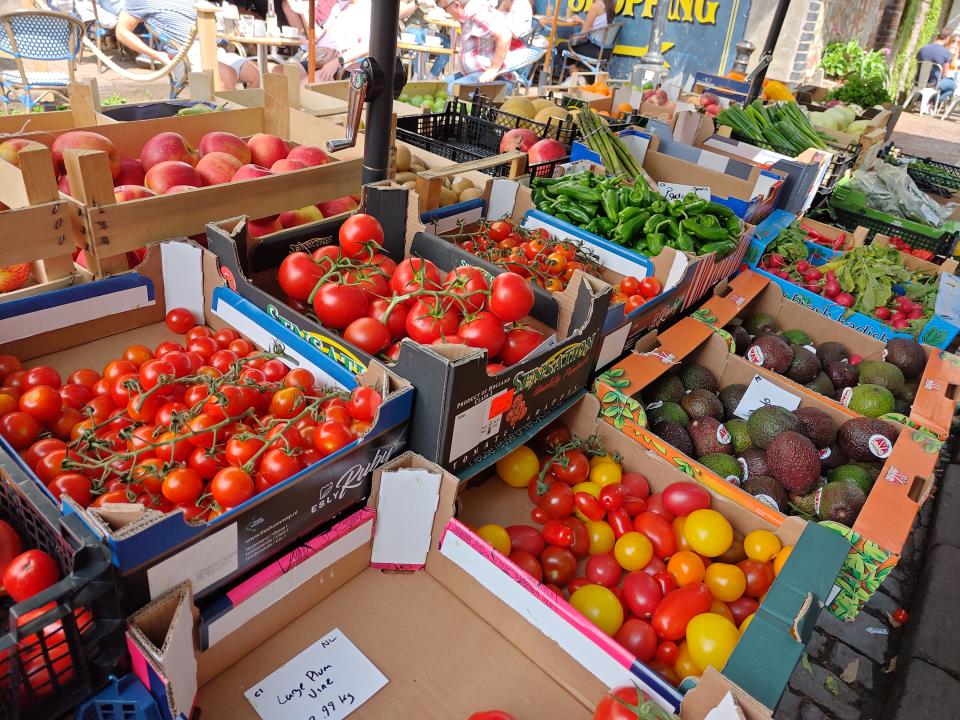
(905, 65)
(842, 60)
(115, 99)
(862, 90)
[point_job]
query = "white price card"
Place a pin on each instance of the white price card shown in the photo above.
(678, 191)
(762, 392)
(327, 681)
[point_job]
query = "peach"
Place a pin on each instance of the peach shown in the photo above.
(166, 147)
(266, 149)
(10, 150)
(179, 189)
(131, 192)
(286, 165)
(85, 140)
(131, 173)
(163, 176)
(258, 228)
(300, 216)
(338, 206)
(226, 143)
(247, 172)
(218, 167)
(309, 155)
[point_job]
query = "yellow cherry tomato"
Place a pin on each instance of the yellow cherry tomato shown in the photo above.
(746, 621)
(781, 559)
(517, 468)
(685, 666)
(720, 608)
(606, 473)
(601, 537)
(761, 545)
(686, 567)
(710, 640)
(497, 536)
(602, 458)
(708, 532)
(633, 551)
(678, 522)
(726, 582)
(587, 487)
(600, 606)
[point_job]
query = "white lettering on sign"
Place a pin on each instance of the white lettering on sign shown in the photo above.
(762, 392)
(327, 681)
(678, 191)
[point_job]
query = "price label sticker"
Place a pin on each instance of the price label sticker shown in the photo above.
(762, 392)
(678, 191)
(327, 681)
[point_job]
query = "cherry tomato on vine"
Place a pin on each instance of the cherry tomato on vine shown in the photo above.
(364, 403)
(180, 320)
(511, 297)
(231, 486)
(360, 236)
(298, 275)
(368, 334)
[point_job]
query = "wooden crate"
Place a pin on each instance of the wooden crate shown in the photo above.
(83, 112)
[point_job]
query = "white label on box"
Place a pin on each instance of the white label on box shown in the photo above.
(203, 563)
(612, 346)
(183, 277)
(762, 392)
(616, 261)
(475, 424)
(327, 681)
(678, 191)
(405, 509)
(948, 298)
(726, 709)
(453, 222)
(503, 196)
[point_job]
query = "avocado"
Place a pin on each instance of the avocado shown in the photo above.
(908, 355)
(675, 434)
(862, 438)
(754, 461)
(741, 338)
(871, 400)
(821, 384)
(853, 474)
(666, 388)
(871, 468)
(702, 403)
(767, 422)
(841, 374)
(709, 436)
(759, 323)
(875, 372)
(730, 397)
(768, 491)
(797, 337)
(697, 377)
(816, 425)
(839, 501)
(660, 411)
(804, 367)
(804, 504)
(901, 406)
(739, 435)
(831, 457)
(724, 466)
(908, 393)
(794, 462)
(830, 351)
(771, 352)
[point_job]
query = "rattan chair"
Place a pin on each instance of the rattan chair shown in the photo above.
(34, 35)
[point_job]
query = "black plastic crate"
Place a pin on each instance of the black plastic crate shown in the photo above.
(948, 178)
(563, 131)
(844, 157)
(45, 671)
(941, 245)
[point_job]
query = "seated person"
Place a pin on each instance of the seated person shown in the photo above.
(413, 16)
(519, 16)
(344, 38)
(173, 20)
(941, 56)
(599, 16)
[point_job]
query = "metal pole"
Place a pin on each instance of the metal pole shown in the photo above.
(653, 56)
(776, 26)
(383, 50)
(548, 58)
(311, 40)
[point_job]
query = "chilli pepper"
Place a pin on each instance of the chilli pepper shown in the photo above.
(702, 232)
(722, 248)
(696, 207)
(721, 211)
(733, 226)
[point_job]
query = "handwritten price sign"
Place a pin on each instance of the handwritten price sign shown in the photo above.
(762, 392)
(327, 681)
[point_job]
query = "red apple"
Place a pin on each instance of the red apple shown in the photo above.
(545, 151)
(301, 216)
(709, 99)
(309, 155)
(131, 173)
(9, 150)
(286, 165)
(266, 149)
(247, 172)
(226, 143)
(163, 176)
(518, 139)
(217, 167)
(165, 147)
(85, 140)
(179, 189)
(258, 228)
(329, 208)
(131, 192)
(63, 184)
(712, 110)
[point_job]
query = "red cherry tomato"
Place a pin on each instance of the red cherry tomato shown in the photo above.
(528, 563)
(678, 607)
(581, 537)
(666, 652)
(742, 608)
(511, 297)
(360, 236)
(642, 594)
(666, 581)
(558, 501)
(616, 704)
(659, 531)
(603, 569)
(558, 534)
(620, 521)
(589, 506)
(364, 403)
(180, 320)
(526, 539)
(682, 498)
(571, 468)
(639, 638)
(759, 576)
(559, 565)
(649, 287)
(413, 274)
(518, 343)
(655, 505)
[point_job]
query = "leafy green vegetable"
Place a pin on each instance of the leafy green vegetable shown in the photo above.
(790, 244)
(862, 90)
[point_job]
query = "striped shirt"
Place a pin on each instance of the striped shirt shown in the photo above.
(170, 19)
(480, 20)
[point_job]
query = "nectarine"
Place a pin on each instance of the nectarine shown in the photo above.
(165, 147)
(218, 167)
(163, 176)
(266, 149)
(225, 142)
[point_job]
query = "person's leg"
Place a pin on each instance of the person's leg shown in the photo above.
(468, 79)
(441, 62)
(228, 76)
(947, 86)
(241, 69)
(249, 74)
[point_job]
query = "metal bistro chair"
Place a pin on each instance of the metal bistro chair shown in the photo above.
(43, 36)
(926, 93)
(606, 39)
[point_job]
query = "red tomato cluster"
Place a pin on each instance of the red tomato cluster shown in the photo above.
(532, 253)
(641, 566)
(201, 426)
(633, 292)
(621, 703)
(374, 302)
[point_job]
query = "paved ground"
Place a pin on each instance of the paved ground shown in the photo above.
(929, 137)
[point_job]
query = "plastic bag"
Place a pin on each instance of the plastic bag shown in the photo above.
(889, 188)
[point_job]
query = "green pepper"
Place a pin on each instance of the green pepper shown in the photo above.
(591, 227)
(579, 214)
(733, 226)
(539, 196)
(696, 207)
(610, 205)
(721, 211)
(653, 223)
(684, 243)
(625, 231)
(721, 248)
(629, 212)
(605, 225)
(702, 232)
(544, 182)
(655, 243)
(672, 227)
(561, 216)
(659, 206)
(676, 208)
(623, 196)
(576, 192)
(708, 220)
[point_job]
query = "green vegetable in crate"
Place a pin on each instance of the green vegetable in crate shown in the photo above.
(783, 126)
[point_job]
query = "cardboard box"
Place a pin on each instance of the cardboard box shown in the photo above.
(748, 293)
(939, 332)
(87, 326)
(461, 412)
(410, 586)
(764, 659)
(681, 275)
(884, 522)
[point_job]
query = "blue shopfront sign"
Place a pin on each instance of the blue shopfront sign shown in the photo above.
(700, 34)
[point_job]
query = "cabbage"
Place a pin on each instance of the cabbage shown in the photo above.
(823, 120)
(857, 127)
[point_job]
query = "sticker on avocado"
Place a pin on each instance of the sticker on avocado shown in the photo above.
(825, 453)
(655, 404)
(880, 445)
(884, 356)
(768, 501)
(723, 435)
(746, 470)
(755, 355)
(733, 480)
(846, 396)
(816, 500)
